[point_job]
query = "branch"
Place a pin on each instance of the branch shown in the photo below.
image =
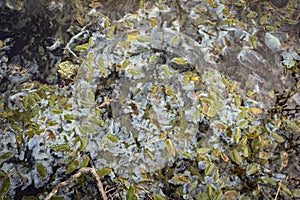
(81, 171)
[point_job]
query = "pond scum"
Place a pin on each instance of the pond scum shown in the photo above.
(174, 100)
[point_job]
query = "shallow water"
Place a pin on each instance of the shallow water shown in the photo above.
(170, 82)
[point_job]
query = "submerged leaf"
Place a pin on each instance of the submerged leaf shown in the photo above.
(159, 197)
(253, 41)
(112, 138)
(130, 195)
(269, 180)
(5, 155)
(85, 162)
(170, 147)
(5, 185)
(82, 47)
(104, 171)
(56, 111)
(285, 190)
(277, 137)
(72, 167)
(42, 170)
(179, 61)
(181, 179)
(255, 111)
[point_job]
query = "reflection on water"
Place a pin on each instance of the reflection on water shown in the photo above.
(141, 116)
(173, 81)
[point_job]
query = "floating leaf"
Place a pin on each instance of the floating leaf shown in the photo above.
(251, 15)
(170, 147)
(264, 155)
(134, 72)
(179, 61)
(296, 193)
(186, 154)
(142, 39)
(169, 91)
(153, 22)
(217, 195)
(277, 137)
(159, 197)
(252, 168)
(95, 4)
(294, 125)
(255, 111)
(239, 4)
(232, 87)
(181, 179)
(203, 150)
(104, 171)
(214, 108)
(130, 195)
(236, 157)
(132, 35)
(42, 170)
(241, 115)
(237, 135)
(290, 21)
(79, 19)
(35, 111)
(97, 121)
(209, 169)
(225, 157)
(89, 129)
(5, 185)
(5, 155)
(85, 162)
(237, 100)
(112, 138)
(56, 111)
(231, 194)
(163, 134)
(285, 190)
(69, 117)
(62, 147)
(82, 47)
(149, 154)
(269, 180)
(272, 28)
(83, 143)
(253, 42)
(72, 167)
(243, 123)
(264, 19)
(125, 64)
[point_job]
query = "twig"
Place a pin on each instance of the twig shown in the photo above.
(73, 39)
(81, 171)
(279, 185)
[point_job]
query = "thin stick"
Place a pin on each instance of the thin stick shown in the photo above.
(84, 170)
(279, 185)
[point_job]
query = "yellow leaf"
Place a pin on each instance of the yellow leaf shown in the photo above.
(95, 4)
(181, 179)
(104, 171)
(153, 22)
(79, 19)
(255, 111)
(180, 61)
(170, 147)
(133, 35)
